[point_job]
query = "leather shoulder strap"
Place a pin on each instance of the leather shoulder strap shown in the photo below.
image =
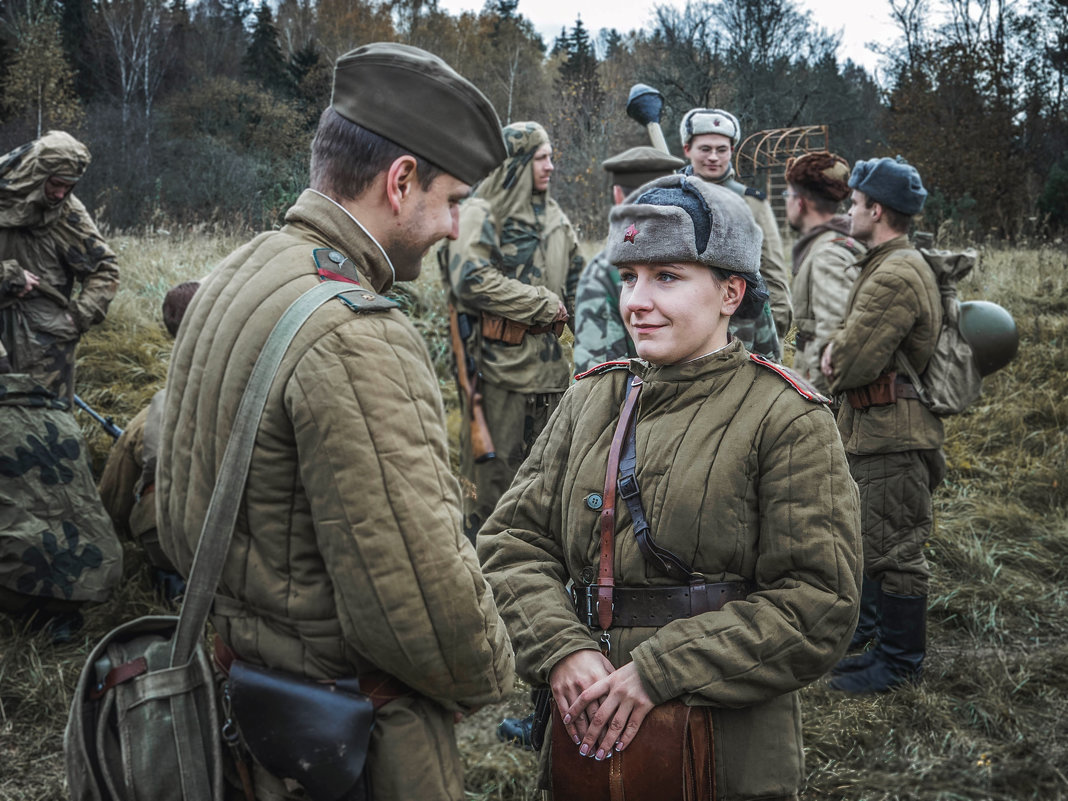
(230, 482)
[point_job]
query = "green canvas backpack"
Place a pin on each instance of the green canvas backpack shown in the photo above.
(144, 723)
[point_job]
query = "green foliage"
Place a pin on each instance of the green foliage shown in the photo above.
(263, 60)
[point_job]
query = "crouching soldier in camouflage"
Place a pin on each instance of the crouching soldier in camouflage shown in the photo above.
(511, 276)
(709, 137)
(48, 243)
(893, 441)
(58, 549)
(600, 335)
(127, 486)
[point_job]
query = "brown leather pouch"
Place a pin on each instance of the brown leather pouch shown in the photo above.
(502, 329)
(313, 732)
(880, 392)
(671, 759)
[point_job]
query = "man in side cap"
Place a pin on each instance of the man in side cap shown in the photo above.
(709, 137)
(824, 256)
(348, 557)
(893, 441)
(600, 335)
(48, 245)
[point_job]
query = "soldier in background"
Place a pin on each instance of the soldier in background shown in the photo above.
(512, 274)
(709, 137)
(600, 335)
(893, 441)
(49, 243)
(128, 484)
(824, 256)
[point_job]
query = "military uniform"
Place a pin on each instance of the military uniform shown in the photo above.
(57, 546)
(824, 263)
(742, 476)
(895, 450)
(516, 257)
(763, 335)
(128, 484)
(348, 554)
(60, 244)
(600, 335)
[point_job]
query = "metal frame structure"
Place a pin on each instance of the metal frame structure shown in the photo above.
(760, 161)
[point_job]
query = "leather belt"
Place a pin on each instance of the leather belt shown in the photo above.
(903, 388)
(657, 606)
(380, 687)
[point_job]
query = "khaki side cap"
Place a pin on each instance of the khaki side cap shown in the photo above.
(417, 101)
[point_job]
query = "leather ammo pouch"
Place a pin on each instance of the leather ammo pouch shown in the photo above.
(511, 332)
(880, 392)
(316, 733)
(670, 759)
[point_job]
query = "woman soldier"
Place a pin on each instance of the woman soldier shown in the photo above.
(739, 583)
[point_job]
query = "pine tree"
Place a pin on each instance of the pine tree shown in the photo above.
(263, 60)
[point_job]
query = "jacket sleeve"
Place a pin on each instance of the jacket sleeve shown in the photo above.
(807, 571)
(575, 265)
(884, 310)
(773, 265)
(522, 555)
(599, 331)
(476, 280)
(833, 273)
(85, 252)
(370, 433)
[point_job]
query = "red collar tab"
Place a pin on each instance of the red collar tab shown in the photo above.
(803, 387)
(334, 266)
(604, 368)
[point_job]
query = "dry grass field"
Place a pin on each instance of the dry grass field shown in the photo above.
(990, 719)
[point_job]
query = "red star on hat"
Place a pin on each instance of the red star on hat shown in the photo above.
(630, 233)
(716, 123)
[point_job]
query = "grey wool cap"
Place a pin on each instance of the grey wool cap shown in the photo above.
(681, 218)
(892, 182)
(419, 102)
(641, 164)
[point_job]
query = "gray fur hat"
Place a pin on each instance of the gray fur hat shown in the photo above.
(681, 218)
(892, 182)
(699, 121)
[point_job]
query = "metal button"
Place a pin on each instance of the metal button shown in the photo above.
(335, 257)
(587, 575)
(594, 501)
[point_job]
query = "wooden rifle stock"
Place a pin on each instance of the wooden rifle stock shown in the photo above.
(482, 449)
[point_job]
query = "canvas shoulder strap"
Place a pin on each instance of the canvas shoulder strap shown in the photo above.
(230, 483)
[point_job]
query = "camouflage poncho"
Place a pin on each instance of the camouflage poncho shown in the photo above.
(59, 243)
(56, 540)
(517, 257)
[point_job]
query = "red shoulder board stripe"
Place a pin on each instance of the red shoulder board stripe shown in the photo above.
(603, 368)
(803, 387)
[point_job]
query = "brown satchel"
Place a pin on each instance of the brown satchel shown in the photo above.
(670, 759)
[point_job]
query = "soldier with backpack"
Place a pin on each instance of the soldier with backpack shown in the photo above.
(893, 441)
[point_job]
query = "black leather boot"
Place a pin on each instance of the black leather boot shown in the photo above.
(898, 656)
(516, 731)
(867, 632)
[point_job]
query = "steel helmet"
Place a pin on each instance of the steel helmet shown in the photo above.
(991, 332)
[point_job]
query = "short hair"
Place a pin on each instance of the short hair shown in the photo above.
(175, 303)
(822, 204)
(346, 157)
(898, 221)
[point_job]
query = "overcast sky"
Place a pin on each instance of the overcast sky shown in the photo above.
(862, 21)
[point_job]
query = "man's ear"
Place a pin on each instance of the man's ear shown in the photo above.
(400, 179)
(733, 292)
